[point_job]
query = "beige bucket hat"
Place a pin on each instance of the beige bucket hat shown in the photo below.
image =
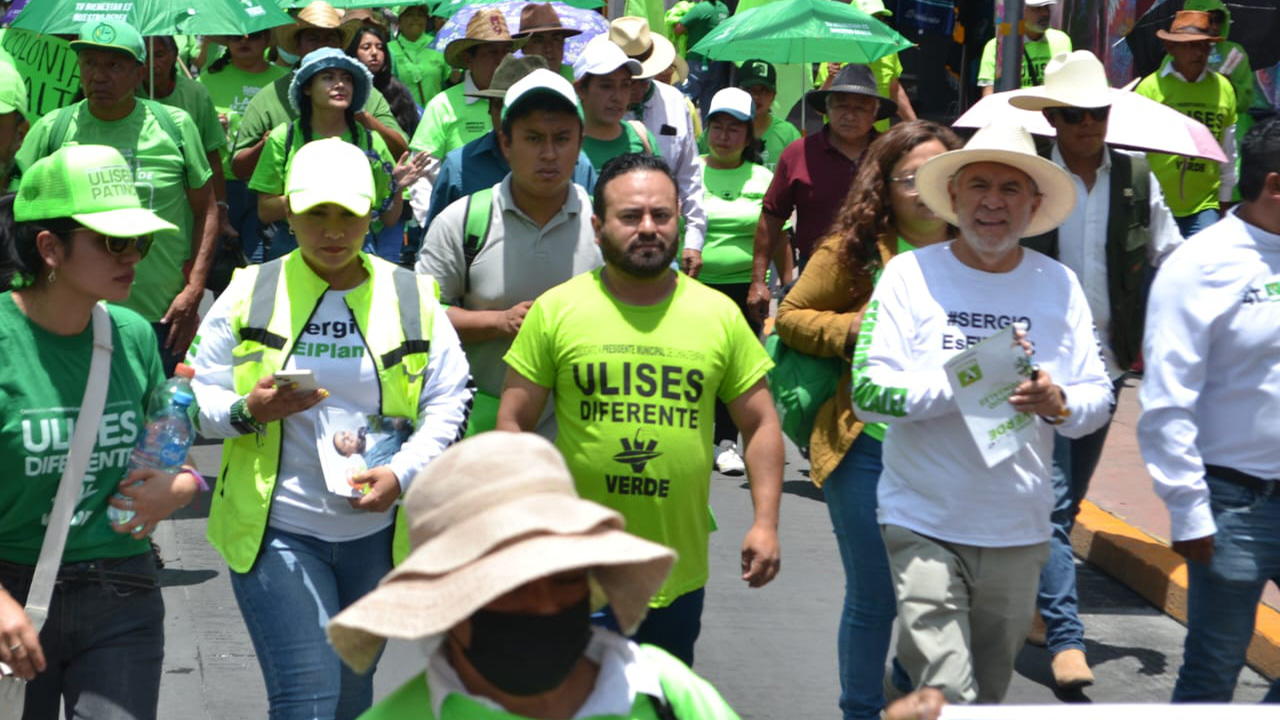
(1010, 144)
(488, 515)
(1075, 79)
(318, 14)
(486, 26)
(655, 52)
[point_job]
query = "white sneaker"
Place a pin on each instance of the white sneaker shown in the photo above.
(729, 462)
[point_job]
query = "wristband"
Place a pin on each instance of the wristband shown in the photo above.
(200, 481)
(223, 204)
(243, 420)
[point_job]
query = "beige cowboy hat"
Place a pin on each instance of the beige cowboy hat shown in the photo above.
(681, 72)
(542, 18)
(486, 26)
(1009, 144)
(655, 52)
(488, 515)
(1189, 26)
(1074, 79)
(318, 14)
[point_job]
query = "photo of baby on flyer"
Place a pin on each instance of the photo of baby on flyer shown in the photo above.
(350, 443)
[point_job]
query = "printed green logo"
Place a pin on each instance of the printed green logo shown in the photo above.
(104, 33)
(969, 375)
(1273, 289)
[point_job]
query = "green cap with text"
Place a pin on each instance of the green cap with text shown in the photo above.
(91, 184)
(111, 35)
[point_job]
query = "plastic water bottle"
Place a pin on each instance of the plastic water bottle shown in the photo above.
(165, 441)
(180, 382)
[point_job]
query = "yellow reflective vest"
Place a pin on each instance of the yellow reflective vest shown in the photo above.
(393, 309)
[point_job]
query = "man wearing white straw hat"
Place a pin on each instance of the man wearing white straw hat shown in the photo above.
(1117, 231)
(966, 542)
(507, 563)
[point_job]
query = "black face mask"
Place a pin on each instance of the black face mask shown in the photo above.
(528, 654)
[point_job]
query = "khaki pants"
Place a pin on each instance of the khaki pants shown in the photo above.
(963, 611)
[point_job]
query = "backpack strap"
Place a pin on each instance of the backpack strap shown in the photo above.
(58, 133)
(643, 132)
(476, 229)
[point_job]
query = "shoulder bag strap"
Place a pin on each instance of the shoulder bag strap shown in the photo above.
(64, 505)
(643, 132)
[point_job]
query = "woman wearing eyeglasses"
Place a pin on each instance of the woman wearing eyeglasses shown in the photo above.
(232, 80)
(70, 238)
(881, 217)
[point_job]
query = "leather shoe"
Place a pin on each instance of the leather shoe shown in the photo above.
(1071, 670)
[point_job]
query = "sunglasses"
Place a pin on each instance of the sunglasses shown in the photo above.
(908, 182)
(1075, 115)
(121, 245)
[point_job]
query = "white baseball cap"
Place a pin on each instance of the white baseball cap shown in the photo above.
(330, 171)
(1040, 3)
(733, 101)
(540, 81)
(600, 56)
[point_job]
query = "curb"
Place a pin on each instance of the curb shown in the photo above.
(1152, 569)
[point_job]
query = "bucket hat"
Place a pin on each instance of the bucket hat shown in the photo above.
(1074, 79)
(510, 71)
(655, 52)
(331, 170)
(854, 79)
(542, 18)
(318, 14)
(325, 59)
(1189, 26)
(1008, 144)
(91, 184)
(488, 515)
(485, 27)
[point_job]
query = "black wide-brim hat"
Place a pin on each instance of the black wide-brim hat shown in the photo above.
(856, 80)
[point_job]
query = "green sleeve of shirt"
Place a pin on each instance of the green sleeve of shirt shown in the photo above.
(378, 107)
(747, 361)
(268, 176)
(205, 116)
(531, 353)
(195, 159)
(987, 65)
(256, 120)
(33, 144)
(430, 136)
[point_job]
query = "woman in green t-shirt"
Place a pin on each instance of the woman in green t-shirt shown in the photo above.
(72, 237)
(735, 183)
(328, 90)
(418, 66)
(232, 80)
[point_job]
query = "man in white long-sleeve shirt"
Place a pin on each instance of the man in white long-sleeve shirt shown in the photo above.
(1210, 425)
(966, 543)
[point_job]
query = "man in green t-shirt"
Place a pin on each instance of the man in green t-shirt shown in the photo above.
(1193, 187)
(635, 392)
(172, 175)
(1040, 44)
(603, 75)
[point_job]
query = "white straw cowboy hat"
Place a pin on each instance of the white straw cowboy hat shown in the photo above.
(318, 14)
(655, 52)
(1009, 144)
(1075, 79)
(488, 515)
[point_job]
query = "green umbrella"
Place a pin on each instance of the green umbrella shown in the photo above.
(343, 4)
(446, 8)
(800, 31)
(156, 17)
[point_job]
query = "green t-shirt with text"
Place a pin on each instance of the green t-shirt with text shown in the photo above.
(449, 122)
(732, 200)
(231, 89)
(42, 383)
(162, 176)
(635, 394)
(600, 152)
(1038, 52)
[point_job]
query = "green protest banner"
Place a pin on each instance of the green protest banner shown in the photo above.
(48, 65)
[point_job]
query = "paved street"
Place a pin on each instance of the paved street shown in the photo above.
(770, 651)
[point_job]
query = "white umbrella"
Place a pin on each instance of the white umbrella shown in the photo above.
(1136, 122)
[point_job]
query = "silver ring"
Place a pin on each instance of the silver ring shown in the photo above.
(15, 647)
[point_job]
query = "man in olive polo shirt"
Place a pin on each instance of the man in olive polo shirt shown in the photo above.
(171, 174)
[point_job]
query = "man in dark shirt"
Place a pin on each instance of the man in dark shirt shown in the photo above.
(814, 174)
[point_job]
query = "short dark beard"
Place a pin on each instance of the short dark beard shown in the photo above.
(644, 267)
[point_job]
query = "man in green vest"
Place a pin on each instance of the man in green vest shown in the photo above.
(1118, 228)
(1194, 187)
(1040, 43)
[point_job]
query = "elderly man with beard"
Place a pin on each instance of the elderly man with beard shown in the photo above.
(635, 392)
(966, 542)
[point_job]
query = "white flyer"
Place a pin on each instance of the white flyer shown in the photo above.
(982, 378)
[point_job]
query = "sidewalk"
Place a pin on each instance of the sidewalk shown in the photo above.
(1123, 528)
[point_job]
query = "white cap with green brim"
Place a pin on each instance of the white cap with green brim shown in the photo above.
(330, 171)
(91, 184)
(540, 82)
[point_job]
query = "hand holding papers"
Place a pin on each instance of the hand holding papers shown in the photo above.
(983, 377)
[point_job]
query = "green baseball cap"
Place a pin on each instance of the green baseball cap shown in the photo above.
(13, 91)
(757, 72)
(111, 35)
(91, 184)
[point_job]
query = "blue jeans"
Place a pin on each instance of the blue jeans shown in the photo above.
(389, 242)
(866, 623)
(674, 628)
(103, 642)
(1222, 597)
(1189, 225)
(242, 213)
(294, 587)
(1074, 461)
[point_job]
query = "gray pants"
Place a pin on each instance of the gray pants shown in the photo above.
(963, 611)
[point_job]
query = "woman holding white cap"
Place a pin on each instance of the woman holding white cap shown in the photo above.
(735, 182)
(366, 345)
(71, 238)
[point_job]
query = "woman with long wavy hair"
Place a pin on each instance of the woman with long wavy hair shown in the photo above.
(881, 217)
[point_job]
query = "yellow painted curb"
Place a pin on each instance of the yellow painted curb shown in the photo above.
(1152, 569)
